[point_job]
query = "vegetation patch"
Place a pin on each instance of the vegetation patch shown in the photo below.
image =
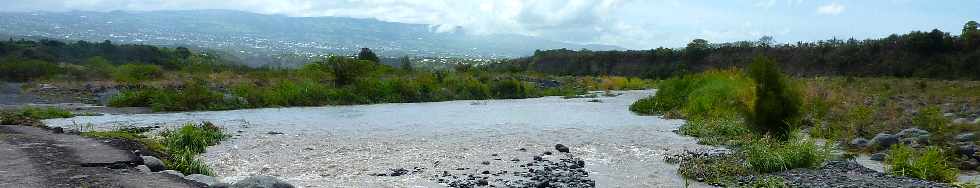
(179, 147)
(929, 163)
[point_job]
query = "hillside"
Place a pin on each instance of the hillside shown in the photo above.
(270, 37)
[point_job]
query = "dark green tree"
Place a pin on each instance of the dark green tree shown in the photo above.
(406, 64)
(368, 55)
(777, 103)
(346, 70)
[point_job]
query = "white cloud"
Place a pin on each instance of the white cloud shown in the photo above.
(831, 9)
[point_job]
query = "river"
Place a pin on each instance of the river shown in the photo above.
(340, 146)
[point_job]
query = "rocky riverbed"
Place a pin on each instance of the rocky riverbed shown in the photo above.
(352, 146)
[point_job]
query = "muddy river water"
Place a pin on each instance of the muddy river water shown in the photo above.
(341, 146)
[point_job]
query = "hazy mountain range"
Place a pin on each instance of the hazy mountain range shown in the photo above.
(256, 35)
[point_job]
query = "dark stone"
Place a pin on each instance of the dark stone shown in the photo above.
(966, 137)
(561, 148)
(538, 158)
(57, 130)
(878, 156)
(859, 143)
(485, 162)
(547, 153)
(275, 133)
(884, 140)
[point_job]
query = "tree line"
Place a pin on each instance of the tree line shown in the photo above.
(932, 54)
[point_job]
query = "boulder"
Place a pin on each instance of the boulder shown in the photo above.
(968, 149)
(143, 169)
(153, 163)
(262, 182)
(173, 172)
(880, 156)
(968, 165)
(57, 130)
(949, 115)
(911, 132)
(561, 148)
(204, 179)
(884, 140)
(960, 121)
(859, 143)
(966, 137)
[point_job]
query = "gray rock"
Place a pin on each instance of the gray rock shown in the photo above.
(880, 156)
(143, 169)
(153, 163)
(200, 178)
(911, 132)
(561, 148)
(966, 137)
(976, 121)
(220, 185)
(923, 139)
(173, 172)
(884, 140)
(718, 152)
(968, 165)
(949, 115)
(859, 143)
(960, 121)
(968, 149)
(262, 182)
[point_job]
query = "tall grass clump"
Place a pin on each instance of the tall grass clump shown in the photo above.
(928, 164)
(137, 73)
(767, 155)
(186, 142)
(777, 100)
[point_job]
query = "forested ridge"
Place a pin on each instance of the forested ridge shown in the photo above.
(932, 54)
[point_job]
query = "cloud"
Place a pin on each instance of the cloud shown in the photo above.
(831, 9)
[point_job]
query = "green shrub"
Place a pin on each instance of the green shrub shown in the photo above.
(931, 119)
(133, 98)
(26, 70)
(711, 92)
(777, 100)
(510, 89)
(137, 73)
(930, 164)
(767, 156)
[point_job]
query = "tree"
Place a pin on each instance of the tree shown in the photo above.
(183, 53)
(970, 34)
(367, 54)
(697, 49)
(777, 103)
(766, 41)
(346, 70)
(406, 64)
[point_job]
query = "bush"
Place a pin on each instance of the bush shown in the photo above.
(26, 70)
(137, 73)
(511, 89)
(711, 92)
(777, 101)
(930, 164)
(931, 119)
(767, 156)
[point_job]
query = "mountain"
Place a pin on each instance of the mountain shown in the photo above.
(257, 35)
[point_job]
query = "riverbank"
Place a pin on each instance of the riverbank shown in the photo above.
(929, 121)
(345, 145)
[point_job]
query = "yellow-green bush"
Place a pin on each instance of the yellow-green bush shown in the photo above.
(928, 164)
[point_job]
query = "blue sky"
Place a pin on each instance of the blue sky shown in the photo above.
(636, 24)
